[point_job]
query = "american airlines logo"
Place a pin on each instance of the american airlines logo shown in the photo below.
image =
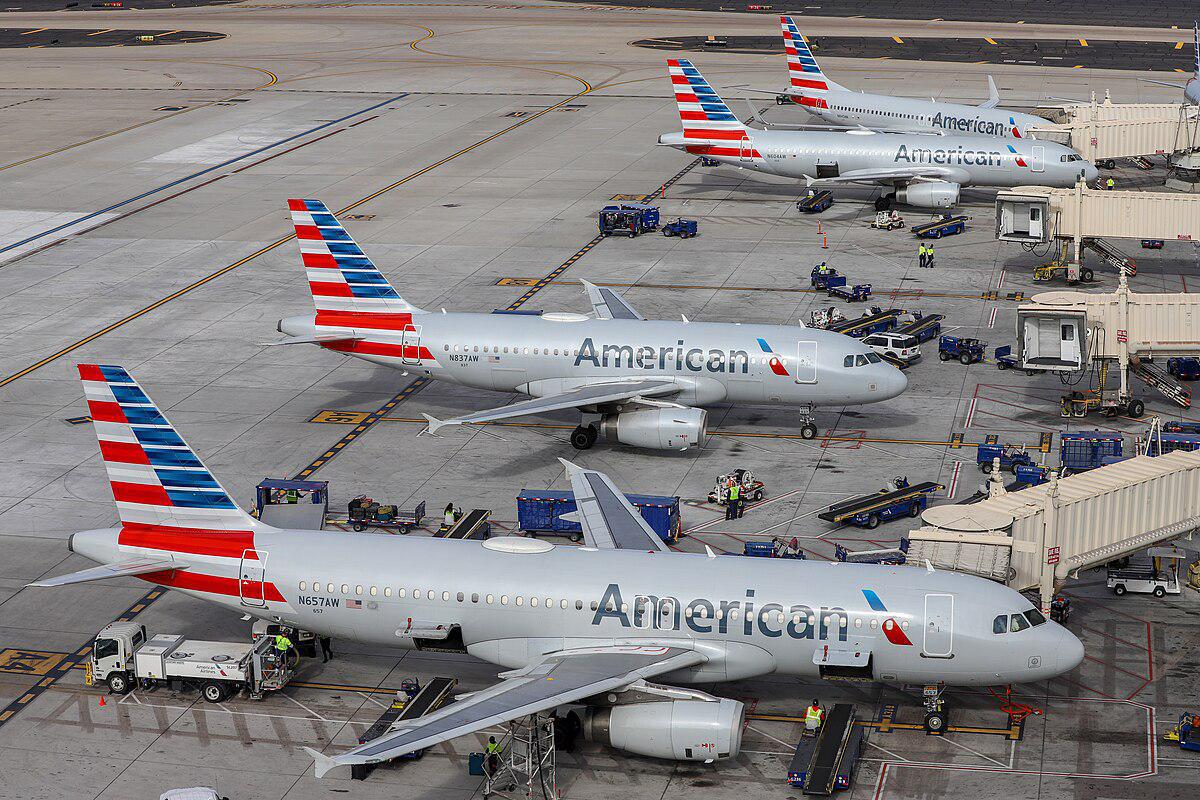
(976, 125)
(679, 357)
(701, 616)
(954, 155)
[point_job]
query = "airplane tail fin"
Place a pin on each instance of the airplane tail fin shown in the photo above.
(803, 70)
(709, 127)
(166, 498)
(342, 279)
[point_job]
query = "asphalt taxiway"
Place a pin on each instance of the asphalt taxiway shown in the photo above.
(468, 147)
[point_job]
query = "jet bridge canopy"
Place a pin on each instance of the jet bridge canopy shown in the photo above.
(1074, 523)
(1034, 214)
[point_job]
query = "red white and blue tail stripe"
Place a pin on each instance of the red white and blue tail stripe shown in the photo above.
(709, 127)
(340, 275)
(804, 73)
(158, 481)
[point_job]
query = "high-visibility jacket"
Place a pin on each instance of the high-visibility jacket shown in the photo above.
(735, 492)
(493, 748)
(1110, 183)
(814, 715)
(282, 643)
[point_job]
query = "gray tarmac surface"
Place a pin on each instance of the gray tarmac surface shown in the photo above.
(144, 223)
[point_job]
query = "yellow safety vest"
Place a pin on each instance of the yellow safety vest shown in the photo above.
(735, 492)
(282, 643)
(813, 715)
(493, 747)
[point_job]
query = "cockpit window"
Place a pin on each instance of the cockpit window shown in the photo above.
(1000, 624)
(1035, 617)
(873, 358)
(848, 362)
(1071, 157)
(1018, 623)
(860, 360)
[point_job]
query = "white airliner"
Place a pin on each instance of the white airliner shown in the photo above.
(924, 169)
(639, 382)
(834, 103)
(574, 626)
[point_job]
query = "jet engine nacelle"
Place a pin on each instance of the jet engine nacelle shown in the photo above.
(933, 194)
(683, 730)
(674, 428)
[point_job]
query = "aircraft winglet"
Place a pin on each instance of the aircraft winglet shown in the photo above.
(321, 762)
(993, 95)
(571, 467)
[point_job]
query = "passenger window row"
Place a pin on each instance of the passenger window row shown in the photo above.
(775, 616)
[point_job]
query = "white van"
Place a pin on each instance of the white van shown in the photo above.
(900, 346)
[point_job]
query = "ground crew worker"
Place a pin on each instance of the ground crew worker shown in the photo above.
(929, 256)
(1110, 184)
(326, 649)
(814, 716)
(734, 508)
(921, 256)
(493, 756)
(448, 516)
(282, 645)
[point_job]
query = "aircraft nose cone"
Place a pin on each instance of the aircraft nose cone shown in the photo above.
(1090, 173)
(1069, 651)
(896, 382)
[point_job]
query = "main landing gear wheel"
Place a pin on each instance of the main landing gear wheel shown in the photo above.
(884, 202)
(583, 437)
(808, 431)
(1136, 408)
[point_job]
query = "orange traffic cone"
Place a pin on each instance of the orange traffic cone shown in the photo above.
(824, 242)
(819, 228)
(103, 702)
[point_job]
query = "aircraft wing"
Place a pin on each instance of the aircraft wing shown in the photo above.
(556, 679)
(609, 521)
(121, 569)
(595, 394)
(925, 172)
(608, 304)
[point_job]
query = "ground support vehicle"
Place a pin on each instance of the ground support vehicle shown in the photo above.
(946, 225)
(123, 657)
(967, 351)
(1010, 457)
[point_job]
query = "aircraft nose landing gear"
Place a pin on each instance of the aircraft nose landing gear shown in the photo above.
(808, 425)
(937, 711)
(584, 436)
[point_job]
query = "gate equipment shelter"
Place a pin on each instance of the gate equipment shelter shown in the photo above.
(1038, 537)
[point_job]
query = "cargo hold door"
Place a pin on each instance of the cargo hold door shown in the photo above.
(939, 626)
(252, 577)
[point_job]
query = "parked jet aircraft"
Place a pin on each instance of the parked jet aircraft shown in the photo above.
(925, 169)
(574, 625)
(635, 380)
(1191, 89)
(834, 103)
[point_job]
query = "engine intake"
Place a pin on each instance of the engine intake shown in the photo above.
(933, 194)
(682, 730)
(675, 428)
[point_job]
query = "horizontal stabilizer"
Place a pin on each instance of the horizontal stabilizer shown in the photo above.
(320, 338)
(121, 569)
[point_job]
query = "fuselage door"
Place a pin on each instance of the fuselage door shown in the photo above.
(746, 149)
(410, 345)
(1039, 158)
(253, 573)
(939, 626)
(806, 362)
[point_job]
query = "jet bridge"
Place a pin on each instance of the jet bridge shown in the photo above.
(1102, 132)
(1038, 537)
(1034, 215)
(1063, 331)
